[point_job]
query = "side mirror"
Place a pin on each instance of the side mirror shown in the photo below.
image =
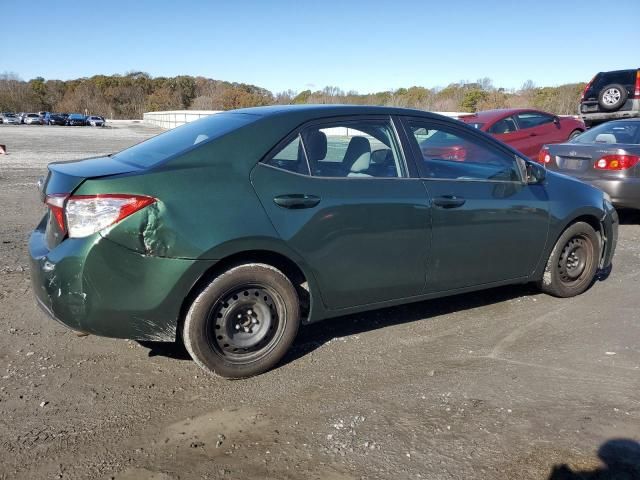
(556, 120)
(536, 173)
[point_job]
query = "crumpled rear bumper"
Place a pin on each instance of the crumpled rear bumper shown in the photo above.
(96, 286)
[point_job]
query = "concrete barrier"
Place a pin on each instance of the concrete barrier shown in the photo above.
(175, 118)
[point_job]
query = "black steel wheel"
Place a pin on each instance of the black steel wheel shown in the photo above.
(243, 322)
(246, 322)
(573, 262)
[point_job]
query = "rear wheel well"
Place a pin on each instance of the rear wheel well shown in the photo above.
(288, 267)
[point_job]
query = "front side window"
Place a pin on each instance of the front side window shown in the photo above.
(353, 149)
(449, 154)
(533, 119)
(506, 125)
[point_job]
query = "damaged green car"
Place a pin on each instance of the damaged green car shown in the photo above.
(232, 231)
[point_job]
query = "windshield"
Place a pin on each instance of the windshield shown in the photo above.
(611, 132)
(178, 140)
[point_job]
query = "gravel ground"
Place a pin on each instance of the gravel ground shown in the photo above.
(502, 384)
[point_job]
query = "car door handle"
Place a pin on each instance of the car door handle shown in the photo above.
(449, 201)
(296, 201)
(533, 134)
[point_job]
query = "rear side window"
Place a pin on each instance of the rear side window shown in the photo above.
(449, 154)
(181, 139)
(533, 119)
(290, 157)
(352, 148)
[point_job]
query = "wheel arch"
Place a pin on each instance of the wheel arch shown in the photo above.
(299, 276)
(590, 218)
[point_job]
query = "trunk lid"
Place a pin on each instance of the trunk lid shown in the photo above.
(579, 160)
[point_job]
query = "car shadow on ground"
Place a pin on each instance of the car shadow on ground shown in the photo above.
(311, 337)
(621, 459)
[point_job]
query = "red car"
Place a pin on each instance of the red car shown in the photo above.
(525, 130)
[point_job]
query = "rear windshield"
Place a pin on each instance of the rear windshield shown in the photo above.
(181, 139)
(611, 132)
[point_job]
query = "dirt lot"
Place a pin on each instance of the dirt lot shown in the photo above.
(495, 385)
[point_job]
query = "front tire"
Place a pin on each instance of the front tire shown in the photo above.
(574, 134)
(243, 322)
(573, 262)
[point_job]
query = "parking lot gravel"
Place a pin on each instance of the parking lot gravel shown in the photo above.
(501, 384)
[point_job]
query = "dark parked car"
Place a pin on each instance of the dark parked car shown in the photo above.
(607, 156)
(76, 120)
(524, 129)
(54, 119)
(231, 231)
(611, 95)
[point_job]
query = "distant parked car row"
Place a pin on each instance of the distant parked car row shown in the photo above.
(49, 118)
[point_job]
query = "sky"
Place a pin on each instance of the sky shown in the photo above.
(367, 46)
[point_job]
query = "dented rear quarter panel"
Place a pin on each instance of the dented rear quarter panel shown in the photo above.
(206, 208)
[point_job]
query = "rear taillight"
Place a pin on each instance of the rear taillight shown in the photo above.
(56, 206)
(616, 162)
(87, 214)
(544, 156)
(636, 92)
(584, 92)
(82, 215)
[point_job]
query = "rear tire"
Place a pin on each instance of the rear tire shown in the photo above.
(612, 97)
(243, 322)
(573, 262)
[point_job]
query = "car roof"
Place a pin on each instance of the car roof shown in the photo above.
(312, 111)
(496, 114)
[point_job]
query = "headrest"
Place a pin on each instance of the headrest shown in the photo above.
(358, 151)
(315, 144)
(606, 138)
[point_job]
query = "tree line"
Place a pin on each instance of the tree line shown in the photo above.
(128, 96)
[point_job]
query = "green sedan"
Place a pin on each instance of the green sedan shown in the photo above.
(232, 231)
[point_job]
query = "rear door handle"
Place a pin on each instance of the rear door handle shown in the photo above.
(533, 134)
(296, 201)
(449, 201)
